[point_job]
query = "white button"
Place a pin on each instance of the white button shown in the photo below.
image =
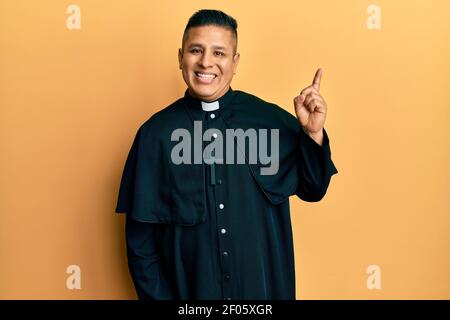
(221, 206)
(223, 231)
(214, 135)
(212, 115)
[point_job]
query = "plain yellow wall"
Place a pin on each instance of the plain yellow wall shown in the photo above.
(72, 100)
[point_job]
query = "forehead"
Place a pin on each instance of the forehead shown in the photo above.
(210, 35)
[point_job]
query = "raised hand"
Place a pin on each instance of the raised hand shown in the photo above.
(311, 109)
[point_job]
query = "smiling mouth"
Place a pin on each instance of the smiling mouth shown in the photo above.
(205, 77)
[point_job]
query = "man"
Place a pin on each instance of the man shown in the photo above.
(217, 228)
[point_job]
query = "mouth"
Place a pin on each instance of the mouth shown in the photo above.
(204, 77)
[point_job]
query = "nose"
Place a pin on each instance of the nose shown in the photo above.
(205, 61)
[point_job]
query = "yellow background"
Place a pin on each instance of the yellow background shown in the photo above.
(72, 100)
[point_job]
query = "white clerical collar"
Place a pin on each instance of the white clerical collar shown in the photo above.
(210, 106)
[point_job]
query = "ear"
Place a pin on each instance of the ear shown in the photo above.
(236, 58)
(180, 57)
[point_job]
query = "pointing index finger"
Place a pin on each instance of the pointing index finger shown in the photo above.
(317, 77)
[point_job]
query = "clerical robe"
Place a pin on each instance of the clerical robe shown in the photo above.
(220, 230)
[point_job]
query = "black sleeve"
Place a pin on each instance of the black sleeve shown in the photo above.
(144, 261)
(315, 168)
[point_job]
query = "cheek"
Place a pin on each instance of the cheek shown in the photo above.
(187, 72)
(187, 64)
(227, 69)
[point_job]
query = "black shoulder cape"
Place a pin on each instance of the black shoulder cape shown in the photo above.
(153, 189)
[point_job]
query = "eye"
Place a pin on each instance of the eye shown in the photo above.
(195, 51)
(219, 53)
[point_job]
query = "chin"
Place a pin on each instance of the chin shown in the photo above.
(203, 92)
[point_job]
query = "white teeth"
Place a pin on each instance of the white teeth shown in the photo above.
(205, 75)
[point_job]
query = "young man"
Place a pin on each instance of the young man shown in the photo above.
(206, 221)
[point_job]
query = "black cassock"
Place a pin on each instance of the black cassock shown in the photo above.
(221, 231)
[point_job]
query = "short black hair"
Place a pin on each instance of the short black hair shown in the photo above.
(207, 17)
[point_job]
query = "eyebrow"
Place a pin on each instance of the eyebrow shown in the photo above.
(199, 45)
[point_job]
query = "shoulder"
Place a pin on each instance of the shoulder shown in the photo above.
(165, 119)
(263, 107)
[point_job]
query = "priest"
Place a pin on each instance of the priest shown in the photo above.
(218, 228)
